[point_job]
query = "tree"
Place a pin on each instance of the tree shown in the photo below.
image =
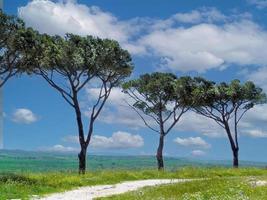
(163, 99)
(226, 104)
(10, 57)
(69, 64)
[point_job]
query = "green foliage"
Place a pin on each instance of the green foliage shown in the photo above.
(80, 57)
(9, 25)
(222, 95)
(157, 89)
(10, 58)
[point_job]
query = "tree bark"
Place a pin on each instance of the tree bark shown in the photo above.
(83, 144)
(82, 160)
(234, 148)
(235, 158)
(160, 154)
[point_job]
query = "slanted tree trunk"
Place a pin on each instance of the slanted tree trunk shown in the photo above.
(234, 146)
(160, 154)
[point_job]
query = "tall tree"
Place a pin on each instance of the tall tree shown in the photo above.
(160, 99)
(69, 64)
(226, 104)
(10, 57)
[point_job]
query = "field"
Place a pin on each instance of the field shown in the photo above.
(24, 174)
(25, 161)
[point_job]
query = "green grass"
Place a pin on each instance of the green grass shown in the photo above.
(213, 189)
(23, 185)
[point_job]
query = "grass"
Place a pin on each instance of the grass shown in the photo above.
(23, 185)
(213, 189)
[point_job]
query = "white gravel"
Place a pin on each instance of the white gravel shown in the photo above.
(88, 193)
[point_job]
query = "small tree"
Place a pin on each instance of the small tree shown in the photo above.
(163, 99)
(69, 64)
(226, 104)
(10, 57)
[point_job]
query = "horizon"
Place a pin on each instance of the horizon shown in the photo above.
(195, 160)
(37, 118)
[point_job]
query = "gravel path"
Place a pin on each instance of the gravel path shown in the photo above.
(88, 193)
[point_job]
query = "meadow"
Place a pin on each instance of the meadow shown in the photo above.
(24, 174)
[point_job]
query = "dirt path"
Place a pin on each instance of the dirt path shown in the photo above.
(88, 193)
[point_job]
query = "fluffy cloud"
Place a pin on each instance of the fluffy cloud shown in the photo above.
(192, 122)
(254, 123)
(192, 142)
(205, 46)
(198, 153)
(118, 140)
(197, 16)
(208, 40)
(256, 133)
(258, 77)
(71, 17)
(60, 148)
(68, 16)
(71, 139)
(259, 3)
(24, 116)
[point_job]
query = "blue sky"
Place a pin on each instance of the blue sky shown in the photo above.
(220, 40)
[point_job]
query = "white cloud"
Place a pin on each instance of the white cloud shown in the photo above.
(192, 122)
(60, 148)
(71, 17)
(256, 133)
(198, 16)
(118, 140)
(259, 3)
(24, 116)
(206, 46)
(255, 116)
(254, 123)
(258, 77)
(210, 39)
(192, 142)
(71, 139)
(198, 153)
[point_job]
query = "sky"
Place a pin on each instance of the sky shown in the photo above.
(220, 40)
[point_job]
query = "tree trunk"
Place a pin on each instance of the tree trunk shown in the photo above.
(83, 144)
(235, 158)
(82, 160)
(159, 153)
(234, 146)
